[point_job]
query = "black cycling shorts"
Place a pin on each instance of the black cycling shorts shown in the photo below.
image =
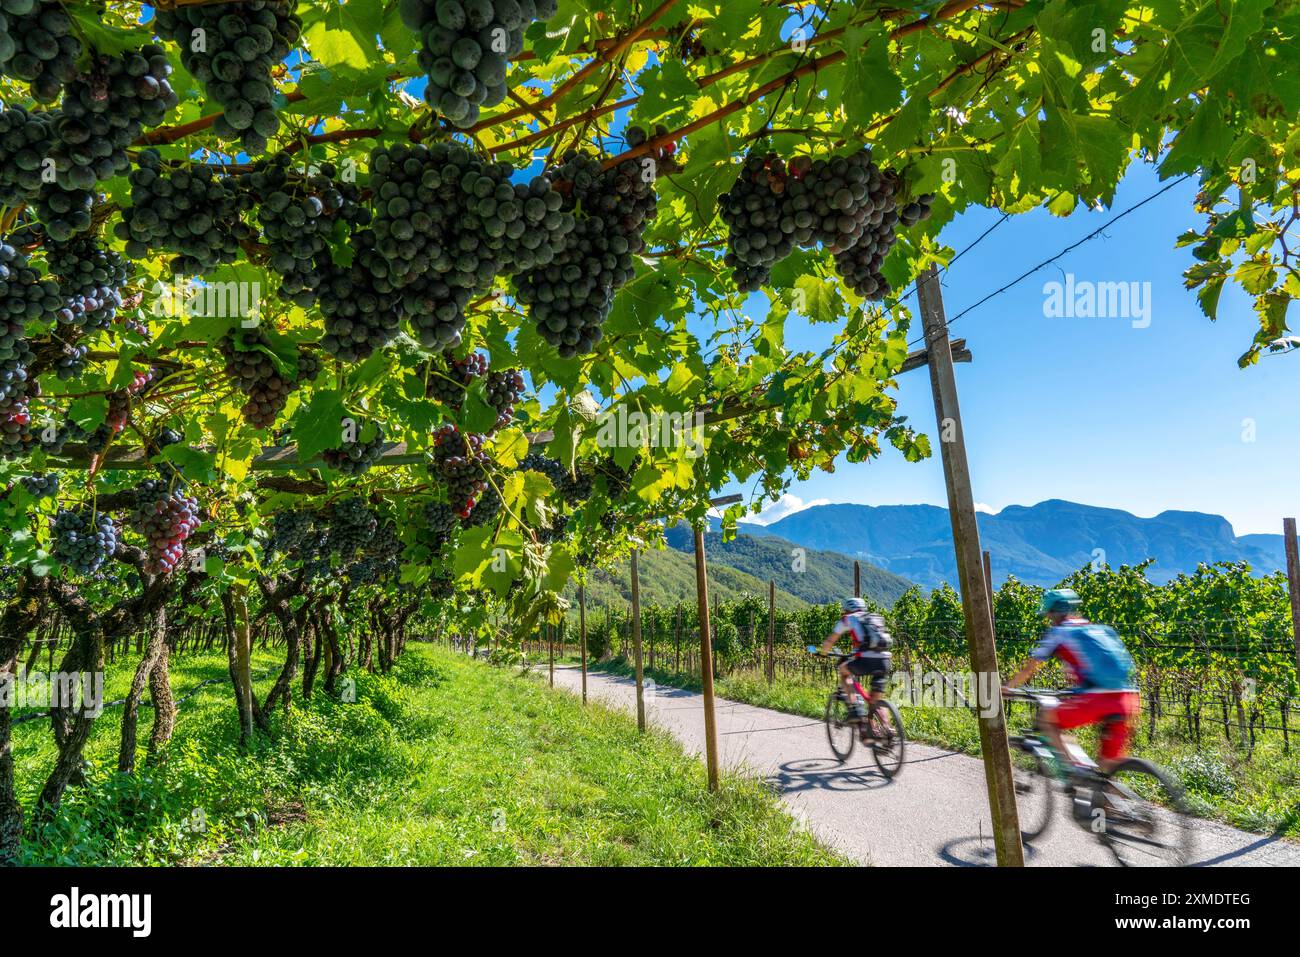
(877, 668)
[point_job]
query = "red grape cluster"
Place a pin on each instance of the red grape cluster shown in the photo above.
(461, 464)
(166, 517)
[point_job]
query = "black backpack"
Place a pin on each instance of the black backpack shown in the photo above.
(875, 631)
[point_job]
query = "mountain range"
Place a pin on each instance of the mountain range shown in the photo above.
(1039, 544)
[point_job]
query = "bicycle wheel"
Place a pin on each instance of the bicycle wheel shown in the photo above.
(840, 731)
(1035, 798)
(1140, 814)
(888, 741)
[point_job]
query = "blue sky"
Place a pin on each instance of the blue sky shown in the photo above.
(1094, 410)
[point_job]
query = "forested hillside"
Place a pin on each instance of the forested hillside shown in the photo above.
(668, 577)
(815, 575)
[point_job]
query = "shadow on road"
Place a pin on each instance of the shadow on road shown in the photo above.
(979, 852)
(824, 774)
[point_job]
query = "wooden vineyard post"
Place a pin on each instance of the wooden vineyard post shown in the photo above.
(677, 654)
(771, 630)
(550, 645)
(243, 676)
(1293, 582)
(857, 579)
(706, 661)
(582, 635)
(974, 593)
(636, 645)
(988, 588)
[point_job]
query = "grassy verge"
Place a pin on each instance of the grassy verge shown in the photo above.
(1258, 792)
(446, 762)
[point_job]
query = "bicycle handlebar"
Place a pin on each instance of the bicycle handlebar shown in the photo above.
(1035, 695)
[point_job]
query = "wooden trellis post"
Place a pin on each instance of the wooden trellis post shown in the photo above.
(974, 591)
(636, 645)
(706, 661)
(582, 635)
(677, 654)
(771, 630)
(857, 579)
(1293, 582)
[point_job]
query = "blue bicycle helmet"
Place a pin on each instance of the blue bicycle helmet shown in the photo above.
(1059, 601)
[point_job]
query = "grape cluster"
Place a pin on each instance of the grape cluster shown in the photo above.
(440, 586)
(26, 141)
(860, 264)
(250, 367)
(381, 558)
(193, 212)
(41, 485)
(37, 44)
(351, 527)
(487, 508)
(71, 361)
(293, 531)
(447, 223)
(761, 227)
(458, 460)
(845, 203)
(83, 540)
(558, 529)
(617, 479)
(298, 211)
(29, 142)
(356, 456)
(447, 379)
(570, 296)
(24, 298)
(466, 49)
(166, 517)
(232, 49)
(90, 277)
(358, 303)
(573, 488)
(107, 106)
(503, 390)
(441, 521)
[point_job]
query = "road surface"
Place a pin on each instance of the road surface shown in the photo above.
(935, 812)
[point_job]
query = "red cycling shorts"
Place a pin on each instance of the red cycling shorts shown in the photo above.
(1117, 709)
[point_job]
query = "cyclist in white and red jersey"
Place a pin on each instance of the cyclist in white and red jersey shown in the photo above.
(1097, 662)
(869, 641)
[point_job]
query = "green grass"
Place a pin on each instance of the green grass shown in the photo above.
(446, 762)
(1257, 792)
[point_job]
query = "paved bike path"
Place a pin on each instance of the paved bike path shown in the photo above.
(935, 812)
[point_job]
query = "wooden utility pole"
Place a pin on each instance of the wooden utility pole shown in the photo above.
(988, 585)
(771, 630)
(1293, 581)
(582, 635)
(974, 592)
(636, 645)
(706, 661)
(857, 579)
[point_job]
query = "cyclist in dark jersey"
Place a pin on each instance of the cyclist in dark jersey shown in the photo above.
(870, 642)
(1099, 665)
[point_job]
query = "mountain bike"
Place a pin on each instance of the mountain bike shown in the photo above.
(881, 730)
(1136, 810)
